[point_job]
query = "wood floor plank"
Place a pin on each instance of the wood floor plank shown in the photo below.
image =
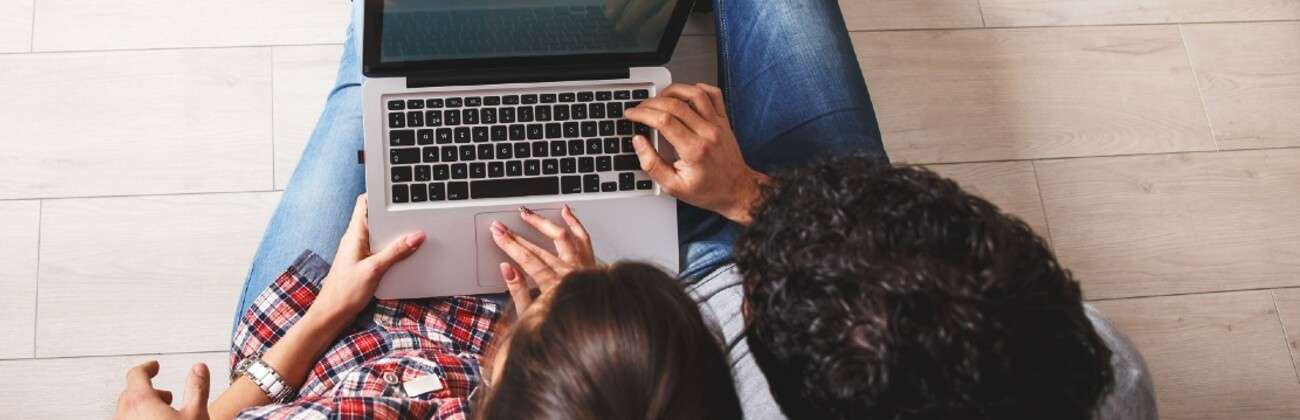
(869, 15)
(303, 77)
(16, 25)
(1288, 306)
(1009, 185)
(1109, 12)
(976, 95)
(1250, 79)
(155, 274)
(1182, 223)
(1213, 356)
(87, 388)
(64, 25)
(695, 60)
(19, 236)
(135, 122)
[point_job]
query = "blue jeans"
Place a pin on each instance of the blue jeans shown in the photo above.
(793, 89)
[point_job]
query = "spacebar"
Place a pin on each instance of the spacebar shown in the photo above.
(496, 188)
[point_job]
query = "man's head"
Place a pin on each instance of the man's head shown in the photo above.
(889, 292)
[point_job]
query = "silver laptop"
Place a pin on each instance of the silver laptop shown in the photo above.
(473, 108)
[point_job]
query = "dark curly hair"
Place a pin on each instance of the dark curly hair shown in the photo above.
(887, 292)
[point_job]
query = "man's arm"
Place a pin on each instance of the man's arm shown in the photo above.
(711, 173)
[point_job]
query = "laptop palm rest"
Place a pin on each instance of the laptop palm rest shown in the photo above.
(490, 256)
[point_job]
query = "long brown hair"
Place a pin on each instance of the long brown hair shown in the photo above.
(623, 342)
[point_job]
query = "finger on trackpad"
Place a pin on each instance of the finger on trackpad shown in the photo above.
(489, 256)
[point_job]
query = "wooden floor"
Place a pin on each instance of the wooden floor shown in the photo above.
(1156, 143)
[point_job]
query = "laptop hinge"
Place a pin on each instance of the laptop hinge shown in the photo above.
(514, 75)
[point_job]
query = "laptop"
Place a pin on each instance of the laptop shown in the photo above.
(473, 108)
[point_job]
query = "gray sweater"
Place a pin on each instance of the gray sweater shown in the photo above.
(719, 295)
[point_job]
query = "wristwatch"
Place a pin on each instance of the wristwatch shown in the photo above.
(266, 378)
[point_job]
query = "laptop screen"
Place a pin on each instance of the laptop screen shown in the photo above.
(440, 30)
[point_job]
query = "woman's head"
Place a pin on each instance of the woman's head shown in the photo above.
(612, 343)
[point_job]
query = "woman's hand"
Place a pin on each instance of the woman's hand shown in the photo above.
(572, 245)
(351, 282)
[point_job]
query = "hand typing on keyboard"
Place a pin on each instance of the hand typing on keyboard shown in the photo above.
(710, 174)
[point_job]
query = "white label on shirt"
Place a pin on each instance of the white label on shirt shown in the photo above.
(422, 385)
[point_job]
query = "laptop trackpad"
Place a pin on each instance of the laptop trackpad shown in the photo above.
(490, 257)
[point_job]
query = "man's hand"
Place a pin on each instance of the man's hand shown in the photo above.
(141, 401)
(710, 174)
(351, 282)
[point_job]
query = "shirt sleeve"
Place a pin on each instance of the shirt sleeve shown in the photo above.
(278, 307)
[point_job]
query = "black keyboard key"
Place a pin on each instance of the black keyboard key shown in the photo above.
(589, 129)
(528, 99)
(558, 148)
(499, 133)
(571, 184)
(553, 130)
(517, 187)
(604, 95)
(626, 163)
(504, 151)
(593, 146)
(541, 149)
(644, 185)
(466, 153)
(560, 113)
(441, 172)
(627, 145)
(491, 100)
(550, 166)
(401, 194)
(603, 164)
(489, 115)
(570, 129)
(480, 134)
(451, 117)
(457, 190)
(459, 171)
(469, 116)
(535, 131)
(462, 134)
(404, 156)
(396, 120)
(522, 151)
(640, 94)
(579, 111)
(576, 147)
(611, 146)
(626, 181)
(623, 95)
(569, 165)
(548, 98)
(641, 129)
(433, 103)
(478, 170)
(437, 192)
(517, 132)
(443, 135)
(609, 186)
(567, 97)
(415, 119)
(401, 138)
(473, 101)
(597, 110)
(430, 154)
(401, 174)
(630, 105)
(514, 168)
(585, 96)
(615, 110)
(507, 115)
(419, 194)
(496, 169)
(510, 100)
(624, 128)
(432, 118)
(453, 102)
(525, 114)
(586, 164)
(532, 167)
(424, 136)
(591, 183)
(449, 153)
(607, 128)
(542, 113)
(396, 105)
(485, 152)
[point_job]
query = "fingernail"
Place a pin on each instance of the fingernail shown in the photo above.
(568, 209)
(525, 210)
(497, 229)
(198, 370)
(415, 239)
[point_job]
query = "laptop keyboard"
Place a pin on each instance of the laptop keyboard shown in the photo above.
(562, 142)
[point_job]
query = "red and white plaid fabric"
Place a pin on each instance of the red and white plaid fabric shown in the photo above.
(392, 342)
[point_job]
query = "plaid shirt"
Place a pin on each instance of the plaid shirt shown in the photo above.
(391, 343)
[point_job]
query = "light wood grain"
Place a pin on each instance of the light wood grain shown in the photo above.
(87, 388)
(1288, 306)
(1250, 79)
(16, 25)
(1009, 185)
(63, 25)
(866, 15)
(1102, 12)
(145, 274)
(695, 60)
(972, 95)
(1185, 223)
(139, 122)
(303, 78)
(1215, 356)
(19, 235)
